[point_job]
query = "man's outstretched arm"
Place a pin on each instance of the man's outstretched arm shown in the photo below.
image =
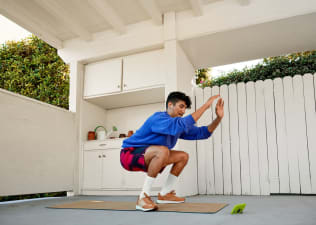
(199, 133)
(219, 113)
(198, 113)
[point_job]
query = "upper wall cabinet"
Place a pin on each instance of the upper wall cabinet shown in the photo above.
(103, 77)
(127, 81)
(143, 70)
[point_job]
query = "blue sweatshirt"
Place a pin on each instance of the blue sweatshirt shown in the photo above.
(162, 129)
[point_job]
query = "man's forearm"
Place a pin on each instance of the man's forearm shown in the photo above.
(198, 113)
(214, 124)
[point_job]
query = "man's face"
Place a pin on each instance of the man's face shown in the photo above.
(177, 110)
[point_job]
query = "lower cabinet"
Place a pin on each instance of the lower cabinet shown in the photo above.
(102, 170)
(92, 167)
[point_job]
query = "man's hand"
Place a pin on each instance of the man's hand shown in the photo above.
(198, 113)
(220, 113)
(211, 100)
(220, 108)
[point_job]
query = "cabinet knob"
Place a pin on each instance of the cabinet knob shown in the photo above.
(99, 156)
(118, 86)
(104, 156)
(125, 85)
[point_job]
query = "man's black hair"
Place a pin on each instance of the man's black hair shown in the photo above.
(176, 96)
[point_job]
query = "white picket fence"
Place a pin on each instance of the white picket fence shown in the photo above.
(266, 142)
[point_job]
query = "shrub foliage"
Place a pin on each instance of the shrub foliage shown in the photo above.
(32, 68)
(272, 67)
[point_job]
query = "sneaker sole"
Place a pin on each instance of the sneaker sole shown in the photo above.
(144, 210)
(167, 202)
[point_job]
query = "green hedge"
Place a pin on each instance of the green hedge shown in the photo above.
(31, 196)
(32, 68)
(273, 67)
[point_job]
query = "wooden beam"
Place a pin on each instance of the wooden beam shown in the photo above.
(109, 14)
(17, 14)
(152, 9)
(58, 11)
(197, 7)
(243, 2)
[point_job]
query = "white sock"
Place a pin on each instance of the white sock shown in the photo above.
(169, 185)
(147, 186)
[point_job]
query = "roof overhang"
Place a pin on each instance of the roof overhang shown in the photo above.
(211, 32)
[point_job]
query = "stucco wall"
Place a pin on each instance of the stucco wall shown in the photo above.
(36, 146)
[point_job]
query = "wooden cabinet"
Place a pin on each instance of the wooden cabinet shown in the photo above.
(102, 170)
(103, 77)
(143, 70)
(111, 170)
(131, 80)
(92, 169)
(101, 165)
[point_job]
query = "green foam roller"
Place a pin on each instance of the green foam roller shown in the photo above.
(238, 208)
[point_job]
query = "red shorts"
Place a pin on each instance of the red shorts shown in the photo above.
(132, 159)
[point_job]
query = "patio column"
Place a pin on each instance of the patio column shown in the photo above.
(179, 69)
(179, 74)
(170, 52)
(75, 101)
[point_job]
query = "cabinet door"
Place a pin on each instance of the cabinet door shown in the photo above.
(143, 70)
(111, 170)
(92, 167)
(103, 77)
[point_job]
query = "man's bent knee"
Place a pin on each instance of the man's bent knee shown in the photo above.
(157, 151)
(163, 153)
(185, 157)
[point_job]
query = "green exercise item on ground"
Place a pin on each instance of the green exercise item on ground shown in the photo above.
(238, 208)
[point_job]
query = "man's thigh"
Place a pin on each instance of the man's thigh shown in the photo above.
(153, 151)
(177, 156)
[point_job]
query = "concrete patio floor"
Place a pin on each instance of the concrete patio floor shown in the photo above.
(260, 210)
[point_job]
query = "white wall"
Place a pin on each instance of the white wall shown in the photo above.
(91, 117)
(36, 146)
(131, 118)
(265, 143)
(185, 72)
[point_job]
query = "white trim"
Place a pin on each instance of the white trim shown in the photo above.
(137, 40)
(27, 200)
(169, 28)
(33, 100)
(243, 2)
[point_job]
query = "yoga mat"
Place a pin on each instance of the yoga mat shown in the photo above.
(130, 206)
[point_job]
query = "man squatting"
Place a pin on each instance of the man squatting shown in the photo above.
(149, 149)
